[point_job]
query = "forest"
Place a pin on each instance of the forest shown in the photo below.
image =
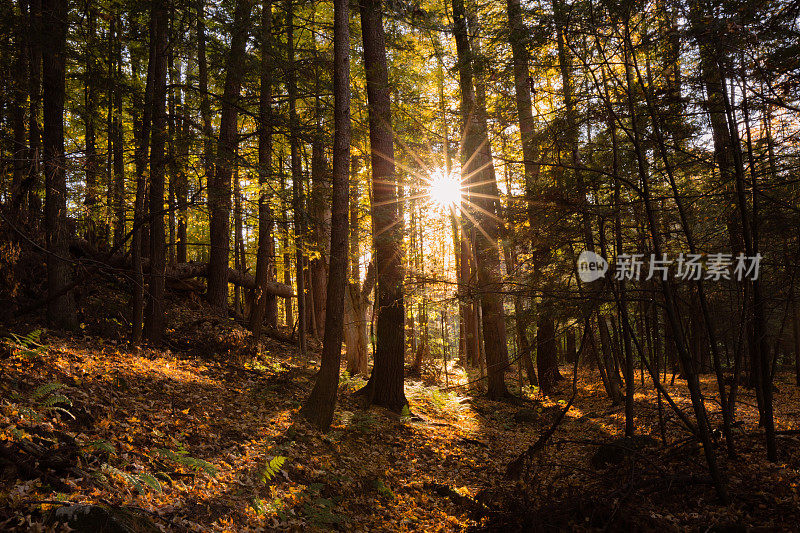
(439, 265)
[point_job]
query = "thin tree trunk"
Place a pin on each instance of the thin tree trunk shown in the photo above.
(117, 134)
(91, 163)
(297, 178)
(36, 36)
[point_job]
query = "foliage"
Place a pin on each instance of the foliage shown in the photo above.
(28, 345)
(272, 467)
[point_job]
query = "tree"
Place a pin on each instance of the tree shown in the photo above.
(61, 309)
(219, 190)
(385, 385)
(297, 179)
(265, 304)
(159, 46)
(322, 400)
(478, 177)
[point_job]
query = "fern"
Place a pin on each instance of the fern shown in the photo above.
(54, 400)
(382, 489)
(137, 480)
(101, 446)
(272, 467)
(46, 390)
(28, 345)
(150, 481)
(182, 458)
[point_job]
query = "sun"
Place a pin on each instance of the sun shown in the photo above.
(445, 189)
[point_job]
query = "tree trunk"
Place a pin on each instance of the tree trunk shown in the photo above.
(117, 134)
(265, 304)
(154, 315)
(546, 352)
(321, 402)
(61, 309)
(479, 178)
(34, 130)
(385, 386)
(219, 191)
(297, 178)
(356, 303)
(20, 85)
(287, 258)
(91, 163)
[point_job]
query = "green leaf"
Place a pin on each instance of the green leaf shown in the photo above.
(272, 468)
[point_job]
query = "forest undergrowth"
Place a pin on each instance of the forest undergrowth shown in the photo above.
(204, 435)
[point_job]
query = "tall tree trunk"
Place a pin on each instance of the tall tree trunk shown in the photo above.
(117, 134)
(385, 385)
(287, 258)
(205, 101)
(154, 315)
(32, 200)
(479, 178)
(319, 206)
(322, 400)
(219, 190)
(530, 150)
(265, 304)
(91, 163)
(20, 85)
(142, 109)
(61, 308)
(669, 301)
(297, 178)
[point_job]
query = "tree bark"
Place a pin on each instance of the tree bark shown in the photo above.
(297, 178)
(117, 135)
(385, 385)
(322, 400)
(154, 314)
(479, 178)
(265, 304)
(219, 191)
(60, 310)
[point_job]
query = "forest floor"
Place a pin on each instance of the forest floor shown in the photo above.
(204, 436)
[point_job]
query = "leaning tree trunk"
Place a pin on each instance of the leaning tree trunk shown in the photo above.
(322, 400)
(385, 385)
(61, 309)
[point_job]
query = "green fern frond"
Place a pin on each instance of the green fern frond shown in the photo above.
(272, 468)
(46, 390)
(150, 481)
(186, 460)
(56, 399)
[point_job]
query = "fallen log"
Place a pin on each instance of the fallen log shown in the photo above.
(200, 270)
